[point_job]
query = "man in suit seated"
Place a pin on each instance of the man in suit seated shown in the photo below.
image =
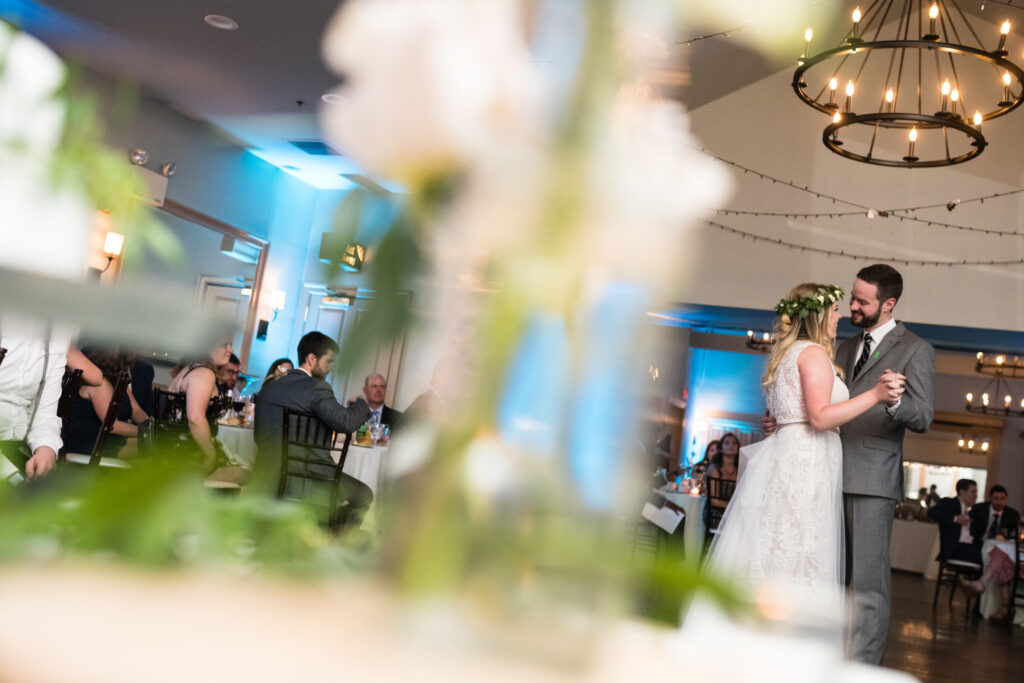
(993, 518)
(304, 389)
(375, 388)
(953, 515)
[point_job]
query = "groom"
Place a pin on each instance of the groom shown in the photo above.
(873, 448)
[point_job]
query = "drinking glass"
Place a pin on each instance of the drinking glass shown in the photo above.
(376, 430)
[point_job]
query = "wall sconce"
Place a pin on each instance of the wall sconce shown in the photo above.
(277, 301)
(113, 243)
(355, 254)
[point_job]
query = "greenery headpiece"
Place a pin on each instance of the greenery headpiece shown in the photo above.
(800, 306)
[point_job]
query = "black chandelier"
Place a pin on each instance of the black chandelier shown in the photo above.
(935, 80)
(997, 398)
(972, 444)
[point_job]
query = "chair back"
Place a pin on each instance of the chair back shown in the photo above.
(69, 385)
(720, 488)
(306, 452)
(113, 408)
(3, 352)
(168, 407)
(1017, 585)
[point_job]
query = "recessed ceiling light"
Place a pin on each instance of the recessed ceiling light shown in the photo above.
(221, 22)
(332, 98)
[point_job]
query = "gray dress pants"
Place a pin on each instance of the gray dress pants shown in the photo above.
(868, 522)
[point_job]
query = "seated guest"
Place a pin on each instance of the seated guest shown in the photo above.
(994, 519)
(305, 389)
(933, 496)
(953, 515)
(30, 387)
(196, 382)
(375, 388)
(88, 409)
(76, 360)
(227, 376)
(724, 465)
(279, 368)
(699, 469)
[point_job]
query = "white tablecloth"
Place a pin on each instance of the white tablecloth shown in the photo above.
(240, 441)
(910, 548)
(693, 506)
(363, 463)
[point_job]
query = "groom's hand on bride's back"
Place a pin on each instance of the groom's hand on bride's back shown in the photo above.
(768, 424)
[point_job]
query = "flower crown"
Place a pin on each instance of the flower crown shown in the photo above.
(801, 306)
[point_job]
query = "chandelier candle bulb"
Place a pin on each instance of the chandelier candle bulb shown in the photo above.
(970, 397)
(1004, 30)
(890, 98)
(933, 13)
(808, 34)
(849, 96)
(912, 137)
(856, 24)
(984, 446)
(833, 84)
(1007, 101)
(945, 94)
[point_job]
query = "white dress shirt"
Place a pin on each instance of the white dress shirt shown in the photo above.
(965, 531)
(22, 380)
(877, 335)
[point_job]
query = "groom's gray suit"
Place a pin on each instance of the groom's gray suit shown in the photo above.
(873, 476)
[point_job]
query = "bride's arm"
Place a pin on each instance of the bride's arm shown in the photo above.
(816, 378)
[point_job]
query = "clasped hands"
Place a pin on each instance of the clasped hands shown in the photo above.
(890, 387)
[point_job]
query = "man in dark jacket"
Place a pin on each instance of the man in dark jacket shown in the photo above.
(993, 517)
(304, 389)
(953, 515)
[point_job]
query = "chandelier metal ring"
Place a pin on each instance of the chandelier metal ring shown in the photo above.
(993, 58)
(830, 137)
(925, 63)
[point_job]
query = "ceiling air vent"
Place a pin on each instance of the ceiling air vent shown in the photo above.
(316, 148)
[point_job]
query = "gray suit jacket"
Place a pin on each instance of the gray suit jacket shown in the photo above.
(299, 392)
(873, 442)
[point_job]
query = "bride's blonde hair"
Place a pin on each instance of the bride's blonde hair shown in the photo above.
(803, 314)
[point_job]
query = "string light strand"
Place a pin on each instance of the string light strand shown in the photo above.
(870, 214)
(861, 257)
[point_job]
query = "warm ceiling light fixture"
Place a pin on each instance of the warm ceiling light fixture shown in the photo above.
(997, 396)
(926, 67)
(219, 21)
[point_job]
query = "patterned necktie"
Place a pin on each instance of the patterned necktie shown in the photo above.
(993, 528)
(864, 355)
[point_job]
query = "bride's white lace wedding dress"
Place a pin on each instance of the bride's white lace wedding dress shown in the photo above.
(784, 525)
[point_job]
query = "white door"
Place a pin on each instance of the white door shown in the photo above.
(226, 301)
(335, 318)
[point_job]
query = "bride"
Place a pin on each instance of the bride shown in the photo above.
(783, 528)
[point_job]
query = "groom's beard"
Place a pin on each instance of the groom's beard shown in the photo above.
(865, 321)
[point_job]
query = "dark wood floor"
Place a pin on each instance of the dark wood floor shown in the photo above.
(938, 646)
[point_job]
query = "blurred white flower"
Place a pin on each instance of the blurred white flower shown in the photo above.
(429, 86)
(647, 186)
(44, 230)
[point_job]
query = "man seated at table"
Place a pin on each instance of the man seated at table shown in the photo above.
(227, 376)
(304, 389)
(955, 539)
(997, 521)
(375, 388)
(993, 518)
